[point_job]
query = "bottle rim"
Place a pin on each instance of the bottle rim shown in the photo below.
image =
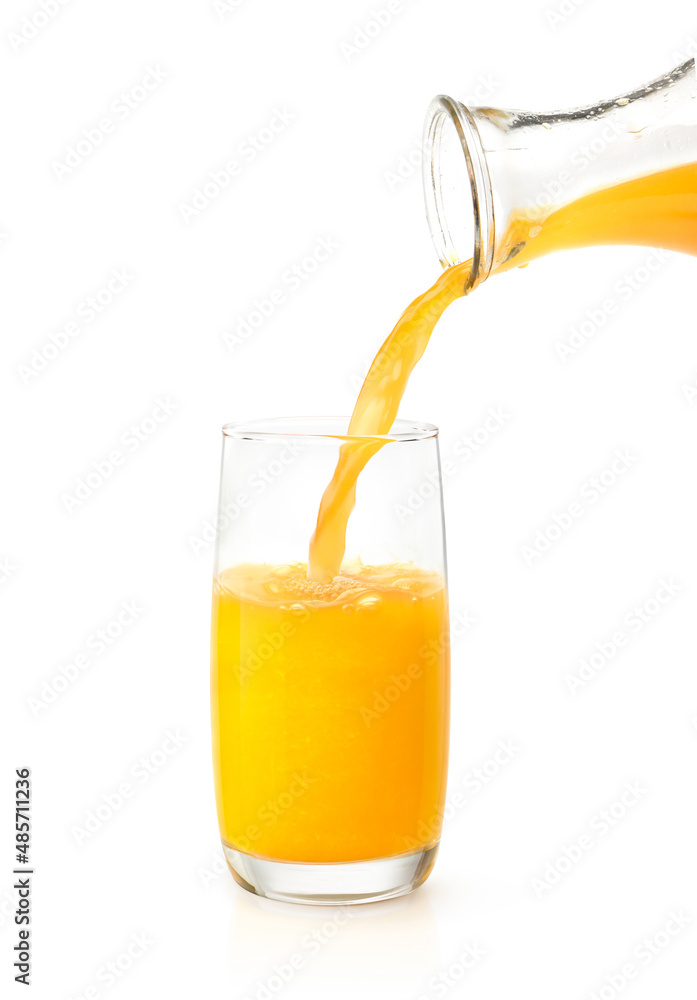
(454, 159)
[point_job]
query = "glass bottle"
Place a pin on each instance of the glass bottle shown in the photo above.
(503, 187)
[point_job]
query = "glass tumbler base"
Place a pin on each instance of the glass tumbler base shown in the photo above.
(331, 884)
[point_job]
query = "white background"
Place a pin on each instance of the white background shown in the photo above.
(147, 869)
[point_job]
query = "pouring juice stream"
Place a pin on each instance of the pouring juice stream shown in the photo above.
(657, 210)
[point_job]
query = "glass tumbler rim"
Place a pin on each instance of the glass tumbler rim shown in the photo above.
(323, 429)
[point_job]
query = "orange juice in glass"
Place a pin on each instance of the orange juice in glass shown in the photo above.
(330, 700)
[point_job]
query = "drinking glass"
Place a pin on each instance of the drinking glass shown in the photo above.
(330, 702)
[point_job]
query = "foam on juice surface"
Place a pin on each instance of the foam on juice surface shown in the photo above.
(276, 585)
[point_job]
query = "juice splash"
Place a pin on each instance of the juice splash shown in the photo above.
(330, 711)
(657, 210)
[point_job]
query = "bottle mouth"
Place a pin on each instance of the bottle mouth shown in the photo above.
(457, 189)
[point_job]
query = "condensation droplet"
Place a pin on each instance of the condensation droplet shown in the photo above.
(297, 609)
(348, 609)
